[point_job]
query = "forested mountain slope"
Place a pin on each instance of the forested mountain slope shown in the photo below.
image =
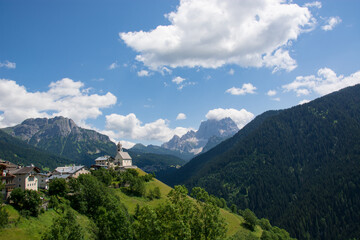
(299, 168)
(19, 152)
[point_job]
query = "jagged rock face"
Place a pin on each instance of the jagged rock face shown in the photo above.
(194, 142)
(62, 136)
(223, 128)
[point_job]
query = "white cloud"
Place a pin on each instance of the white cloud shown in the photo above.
(212, 33)
(113, 66)
(143, 73)
(316, 4)
(325, 82)
(240, 117)
(303, 101)
(8, 64)
(271, 93)
(181, 116)
(130, 126)
(246, 88)
(178, 80)
(331, 23)
(165, 70)
(64, 98)
(280, 60)
(231, 71)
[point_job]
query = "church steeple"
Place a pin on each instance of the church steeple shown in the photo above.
(119, 147)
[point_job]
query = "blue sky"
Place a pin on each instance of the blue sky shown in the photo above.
(142, 71)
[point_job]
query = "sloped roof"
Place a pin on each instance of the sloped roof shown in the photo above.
(102, 158)
(59, 176)
(25, 170)
(69, 169)
(125, 155)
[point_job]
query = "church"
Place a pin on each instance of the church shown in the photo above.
(121, 160)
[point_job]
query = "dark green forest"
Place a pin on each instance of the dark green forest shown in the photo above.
(297, 167)
(19, 152)
(150, 162)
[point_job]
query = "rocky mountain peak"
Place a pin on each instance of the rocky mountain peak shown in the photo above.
(193, 142)
(219, 128)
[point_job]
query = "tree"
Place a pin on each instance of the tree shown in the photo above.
(157, 193)
(65, 227)
(4, 215)
(58, 186)
(28, 201)
(250, 219)
(113, 224)
(103, 175)
(181, 218)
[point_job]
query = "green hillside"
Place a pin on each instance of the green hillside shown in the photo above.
(299, 168)
(21, 227)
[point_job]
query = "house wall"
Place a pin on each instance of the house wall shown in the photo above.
(82, 171)
(26, 181)
(42, 181)
(127, 163)
(31, 182)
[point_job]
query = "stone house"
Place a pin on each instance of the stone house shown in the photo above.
(26, 178)
(68, 172)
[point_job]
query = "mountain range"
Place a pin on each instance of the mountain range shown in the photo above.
(298, 167)
(63, 137)
(49, 143)
(194, 142)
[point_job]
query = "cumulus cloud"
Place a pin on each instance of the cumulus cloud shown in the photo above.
(331, 23)
(316, 4)
(178, 80)
(143, 73)
(113, 66)
(271, 93)
(303, 101)
(8, 64)
(181, 116)
(325, 82)
(240, 117)
(130, 126)
(231, 71)
(212, 33)
(64, 98)
(246, 88)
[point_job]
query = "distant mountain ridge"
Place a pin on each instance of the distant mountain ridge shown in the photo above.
(153, 149)
(63, 137)
(194, 142)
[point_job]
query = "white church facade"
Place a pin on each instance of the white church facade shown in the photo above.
(121, 160)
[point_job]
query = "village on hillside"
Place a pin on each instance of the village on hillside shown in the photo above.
(32, 178)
